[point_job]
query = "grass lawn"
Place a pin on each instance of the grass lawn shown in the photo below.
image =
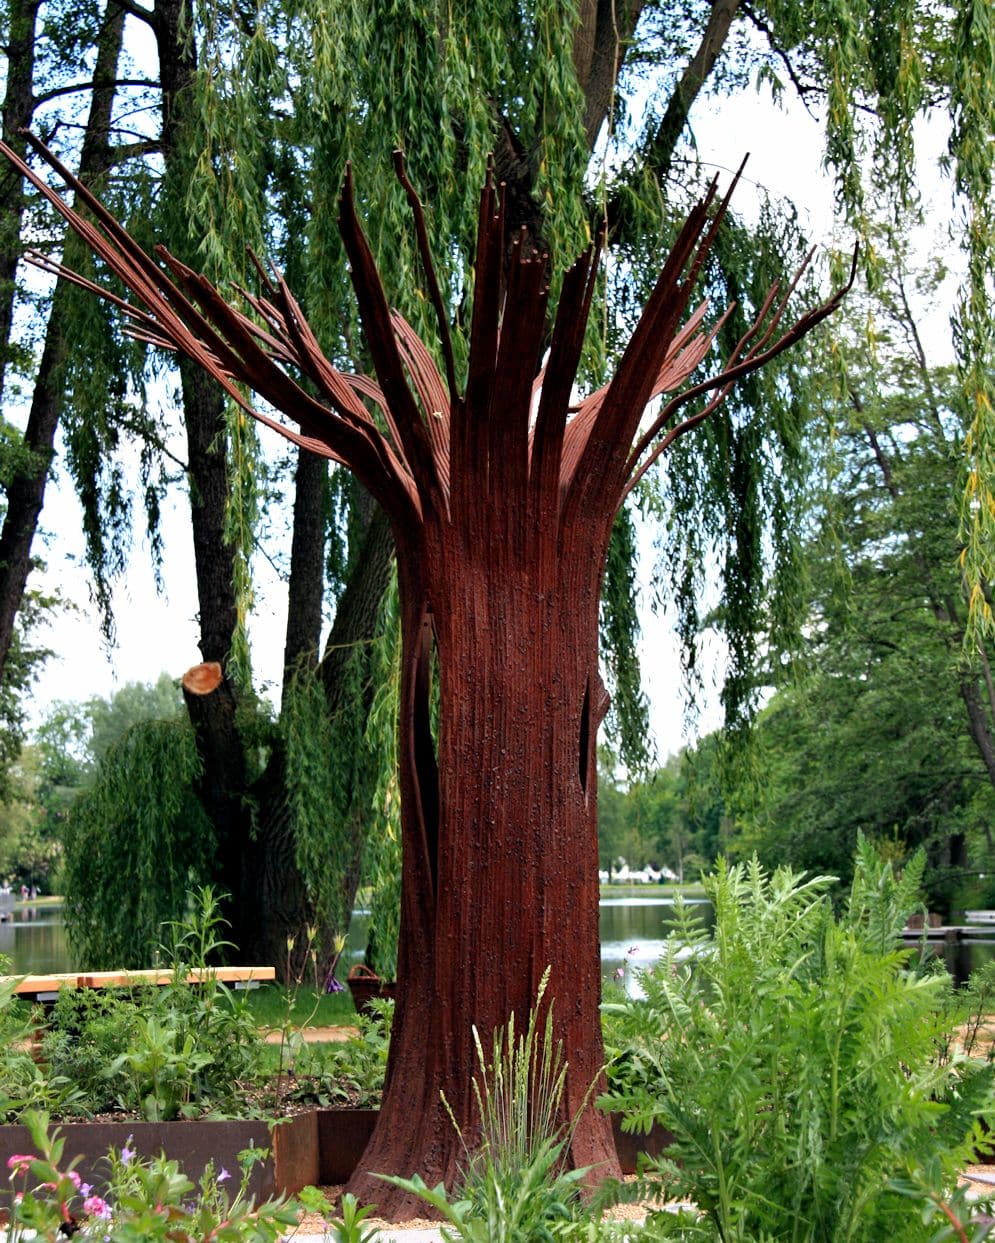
(269, 1002)
(652, 891)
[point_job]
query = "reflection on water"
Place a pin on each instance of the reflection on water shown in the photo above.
(34, 939)
(633, 930)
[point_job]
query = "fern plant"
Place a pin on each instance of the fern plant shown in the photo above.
(795, 1054)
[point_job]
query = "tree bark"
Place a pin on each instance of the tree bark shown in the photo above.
(307, 565)
(603, 34)
(26, 491)
(696, 74)
(222, 789)
(18, 109)
(211, 704)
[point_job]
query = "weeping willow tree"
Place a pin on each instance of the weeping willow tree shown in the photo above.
(588, 108)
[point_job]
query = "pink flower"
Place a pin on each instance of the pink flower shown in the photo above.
(19, 1163)
(74, 1178)
(96, 1207)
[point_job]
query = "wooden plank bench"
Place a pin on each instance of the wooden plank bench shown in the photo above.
(45, 988)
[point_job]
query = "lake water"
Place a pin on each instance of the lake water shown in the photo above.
(633, 929)
(34, 939)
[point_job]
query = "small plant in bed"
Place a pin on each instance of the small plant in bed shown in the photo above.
(146, 1199)
(345, 1073)
(179, 1051)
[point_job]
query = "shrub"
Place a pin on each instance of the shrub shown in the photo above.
(796, 1056)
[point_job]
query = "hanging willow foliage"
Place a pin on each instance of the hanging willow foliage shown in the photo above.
(328, 784)
(139, 839)
(382, 841)
(289, 92)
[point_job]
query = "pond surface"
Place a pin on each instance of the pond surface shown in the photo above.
(633, 929)
(34, 939)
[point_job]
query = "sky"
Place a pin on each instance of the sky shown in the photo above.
(157, 632)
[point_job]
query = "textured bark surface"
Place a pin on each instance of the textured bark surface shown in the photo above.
(26, 491)
(18, 109)
(210, 701)
(501, 498)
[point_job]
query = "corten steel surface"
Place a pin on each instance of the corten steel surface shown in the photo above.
(292, 1162)
(501, 496)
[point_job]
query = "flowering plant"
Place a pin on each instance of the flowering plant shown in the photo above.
(143, 1200)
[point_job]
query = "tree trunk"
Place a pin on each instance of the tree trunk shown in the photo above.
(500, 841)
(18, 109)
(26, 492)
(279, 896)
(307, 564)
(211, 706)
(222, 789)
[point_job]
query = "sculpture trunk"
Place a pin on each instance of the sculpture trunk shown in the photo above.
(501, 870)
(501, 495)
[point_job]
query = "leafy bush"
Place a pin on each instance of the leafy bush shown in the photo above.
(145, 1200)
(23, 1084)
(348, 1073)
(797, 1058)
(181, 1050)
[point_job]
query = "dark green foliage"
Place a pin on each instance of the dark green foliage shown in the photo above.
(675, 817)
(328, 784)
(798, 1059)
(163, 1052)
(628, 716)
(882, 721)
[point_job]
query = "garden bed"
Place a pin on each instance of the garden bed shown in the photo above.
(320, 1147)
(291, 1162)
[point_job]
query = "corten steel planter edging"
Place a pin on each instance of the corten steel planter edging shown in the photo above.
(342, 1138)
(343, 1135)
(292, 1162)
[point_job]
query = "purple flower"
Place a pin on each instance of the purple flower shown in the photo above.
(223, 1176)
(127, 1152)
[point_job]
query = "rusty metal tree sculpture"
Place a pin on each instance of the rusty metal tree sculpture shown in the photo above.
(502, 497)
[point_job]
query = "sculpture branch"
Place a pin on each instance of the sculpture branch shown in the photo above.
(755, 359)
(434, 292)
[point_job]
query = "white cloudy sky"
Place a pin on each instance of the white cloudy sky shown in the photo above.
(156, 633)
